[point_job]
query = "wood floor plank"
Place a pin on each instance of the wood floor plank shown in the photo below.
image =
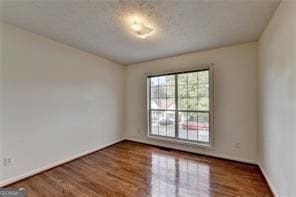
(134, 169)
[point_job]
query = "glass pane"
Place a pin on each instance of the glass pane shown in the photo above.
(162, 91)
(154, 122)
(162, 123)
(162, 81)
(203, 103)
(170, 91)
(192, 78)
(154, 103)
(203, 127)
(154, 128)
(182, 103)
(154, 92)
(192, 104)
(203, 76)
(166, 123)
(182, 91)
(170, 104)
(182, 123)
(170, 80)
(192, 90)
(162, 103)
(154, 81)
(192, 135)
(182, 78)
(192, 125)
(170, 117)
(203, 90)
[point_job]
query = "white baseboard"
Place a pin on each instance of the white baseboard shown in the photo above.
(55, 164)
(271, 186)
(198, 151)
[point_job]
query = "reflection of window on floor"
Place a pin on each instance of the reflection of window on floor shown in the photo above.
(179, 106)
(163, 175)
(171, 177)
(194, 177)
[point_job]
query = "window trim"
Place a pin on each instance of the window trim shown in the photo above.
(176, 140)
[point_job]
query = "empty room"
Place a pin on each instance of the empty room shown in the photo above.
(162, 98)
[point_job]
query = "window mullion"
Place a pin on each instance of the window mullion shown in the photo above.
(149, 104)
(176, 108)
(166, 107)
(187, 105)
(158, 87)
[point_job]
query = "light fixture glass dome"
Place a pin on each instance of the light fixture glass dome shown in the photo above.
(141, 29)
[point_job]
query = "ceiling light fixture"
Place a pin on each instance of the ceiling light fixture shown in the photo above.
(141, 29)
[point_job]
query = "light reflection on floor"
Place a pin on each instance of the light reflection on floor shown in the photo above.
(178, 177)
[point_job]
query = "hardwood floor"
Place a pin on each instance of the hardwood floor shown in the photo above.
(133, 169)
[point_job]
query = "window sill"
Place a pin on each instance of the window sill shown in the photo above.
(181, 142)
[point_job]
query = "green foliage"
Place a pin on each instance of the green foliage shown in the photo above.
(193, 89)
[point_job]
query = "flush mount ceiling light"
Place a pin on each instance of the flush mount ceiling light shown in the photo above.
(141, 29)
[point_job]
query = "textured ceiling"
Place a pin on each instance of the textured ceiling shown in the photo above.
(102, 27)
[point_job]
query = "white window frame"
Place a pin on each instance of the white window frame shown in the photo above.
(210, 144)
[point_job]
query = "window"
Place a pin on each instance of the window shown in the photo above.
(179, 106)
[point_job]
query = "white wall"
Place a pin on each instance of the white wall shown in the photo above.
(57, 101)
(235, 98)
(277, 99)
